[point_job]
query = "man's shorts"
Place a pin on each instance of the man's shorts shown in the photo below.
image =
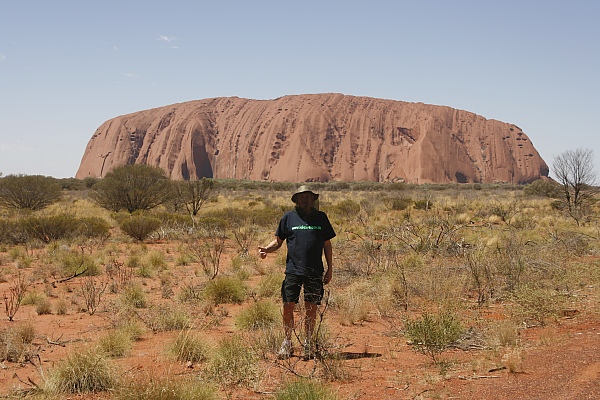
(313, 289)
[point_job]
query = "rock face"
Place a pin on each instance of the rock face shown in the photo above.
(320, 137)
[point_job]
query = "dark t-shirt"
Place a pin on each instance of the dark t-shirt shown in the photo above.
(305, 236)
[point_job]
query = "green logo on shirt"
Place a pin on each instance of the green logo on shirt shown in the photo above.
(307, 227)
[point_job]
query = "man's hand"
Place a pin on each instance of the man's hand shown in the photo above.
(262, 251)
(271, 247)
(327, 276)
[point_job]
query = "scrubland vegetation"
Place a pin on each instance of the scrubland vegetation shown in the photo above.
(437, 267)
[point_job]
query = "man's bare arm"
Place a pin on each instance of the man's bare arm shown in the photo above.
(271, 247)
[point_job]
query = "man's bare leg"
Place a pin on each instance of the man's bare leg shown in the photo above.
(310, 320)
(288, 319)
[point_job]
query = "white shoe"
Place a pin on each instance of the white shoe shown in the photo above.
(286, 350)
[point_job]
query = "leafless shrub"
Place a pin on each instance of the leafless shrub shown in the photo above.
(16, 292)
(210, 245)
(119, 275)
(92, 290)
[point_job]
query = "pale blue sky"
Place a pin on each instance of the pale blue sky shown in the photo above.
(68, 66)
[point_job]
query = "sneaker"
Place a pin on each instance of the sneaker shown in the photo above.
(286, 350)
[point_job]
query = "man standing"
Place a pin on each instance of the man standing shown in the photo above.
(308, 234)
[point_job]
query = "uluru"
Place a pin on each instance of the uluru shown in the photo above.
(318, 138)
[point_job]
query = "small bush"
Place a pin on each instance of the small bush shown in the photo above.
(433, 333)
(71, 263)
(424, 204)
(139, 227)
(62, 307)
(225, 289)
(156, 260)
(134, 296)
(94, 228)
(16, 343)
(133, 328)
(306, 390)
(32, 298)
(189, 347)
(116, 343)
(43, 307)
(33, 192)
(262, 314)
(164, 318)
(400, 203)
(50, 228)
(543, 188)
(535, 306)
(82, 371)
(233, 364)
(166, 388)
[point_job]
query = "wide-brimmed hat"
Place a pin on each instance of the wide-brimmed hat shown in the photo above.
(304, 189)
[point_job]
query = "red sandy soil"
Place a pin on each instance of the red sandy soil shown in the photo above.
(560, 361)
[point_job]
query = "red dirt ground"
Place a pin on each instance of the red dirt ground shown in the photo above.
(560, 361)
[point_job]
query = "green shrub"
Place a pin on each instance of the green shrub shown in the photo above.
(82, 371)
(16, 343)
(225, 289)
(116, 343)
(400, 203)
(134, 296)
(424, 204)
(346, 209)
(50, 228)
(72, 262)
(305, 389)
(43, 307)
(189, 347)
(155, 259)
(139, 227)
(233, 364)
(94, 228)
(433, 333)
(33, 192)
(32, 297)
(164, 318)
(133, 328)
(132, 187)
(543, 188)
(535, 306)
(261, 314)
(166, 388)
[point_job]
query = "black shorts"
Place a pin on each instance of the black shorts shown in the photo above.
(313, 289)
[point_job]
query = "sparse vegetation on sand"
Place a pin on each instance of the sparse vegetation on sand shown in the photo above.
(432, 284)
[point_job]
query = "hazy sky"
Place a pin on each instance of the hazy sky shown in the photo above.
(68, 66)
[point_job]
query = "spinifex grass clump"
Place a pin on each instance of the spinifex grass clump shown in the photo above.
(16, 343)
(262, 314)
(116, 343)
(225, 289)
(163, 318)
(433, 333)
(233, 364)
(305, 389)
(82, 371)
(189, 347)
(166, 387)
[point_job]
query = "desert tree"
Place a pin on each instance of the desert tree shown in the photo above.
(574, 170)
(136, 187)
(33, 192)
(194, 193)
